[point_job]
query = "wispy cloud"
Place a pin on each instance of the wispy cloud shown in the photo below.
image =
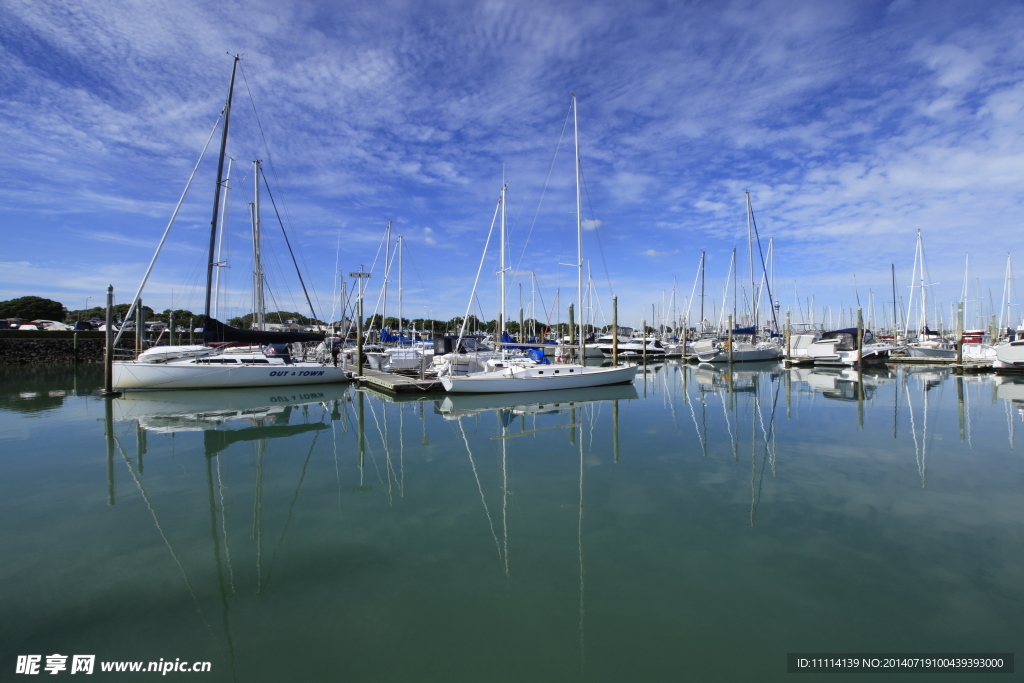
(853, 125)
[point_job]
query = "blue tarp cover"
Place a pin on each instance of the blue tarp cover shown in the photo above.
(538, 356)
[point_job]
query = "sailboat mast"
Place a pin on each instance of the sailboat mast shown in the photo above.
(259, 307)
(501, 267)
(400, 245)
(216, 195)
(579, 225)
(735, 279)
(220, 241)
(750, 250)
(702, 292)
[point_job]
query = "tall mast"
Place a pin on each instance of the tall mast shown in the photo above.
(388, 258)
(735, 279)
(501, 268)
(702, 292)
(400, 245)
(258, 305)
(220, 241)
(750, 250)
(216, 195)
(924, 298)
(579, 226)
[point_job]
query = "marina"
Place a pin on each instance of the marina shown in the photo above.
(608, 532)
(498, 341)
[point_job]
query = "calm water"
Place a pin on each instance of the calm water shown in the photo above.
(695, 526)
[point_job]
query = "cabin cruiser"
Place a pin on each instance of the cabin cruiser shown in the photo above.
(629, 347)
(839, 347)
(977, 346)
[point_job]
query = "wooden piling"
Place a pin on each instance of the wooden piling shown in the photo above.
(860, 338)
(615, 331)
(359, 338)
(108, 356)
(960, 333)
(729, 342)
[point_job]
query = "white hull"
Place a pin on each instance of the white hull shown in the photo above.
(132, 375)
(930, 352)
(459, 405)
(741, 355)
(1010, 355)
(979, 352)
(869, 357)
(538, 378)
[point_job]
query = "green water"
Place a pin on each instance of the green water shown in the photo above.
(695, 526)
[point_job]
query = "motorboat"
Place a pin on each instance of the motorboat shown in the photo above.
(629, 347)
(1010, 356)
(839, 347)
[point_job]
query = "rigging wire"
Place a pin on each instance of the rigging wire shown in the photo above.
(277, 181)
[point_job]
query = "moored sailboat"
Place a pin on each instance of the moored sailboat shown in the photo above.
(503, 377)
(230, 357)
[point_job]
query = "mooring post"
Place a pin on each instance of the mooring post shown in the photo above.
(789, 340)
(960, 333)
(108, 357)
(615, 331)
(139, 326)
(359, 337)
(860, 338)
(729, 342)
(643, 339)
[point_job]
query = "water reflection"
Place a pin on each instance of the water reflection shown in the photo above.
(253, 420)
(35, 390)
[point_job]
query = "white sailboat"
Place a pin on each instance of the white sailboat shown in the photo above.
(264, 361)
(929, 344)
(745, 346)
(501, 377)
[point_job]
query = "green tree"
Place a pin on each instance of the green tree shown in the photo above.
(32, 308)
(121, 310)
(273, 318)
(181, 316)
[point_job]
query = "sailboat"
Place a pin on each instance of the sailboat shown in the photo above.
(509, 377)
(929, 343)
(718, 351)
(265, 360)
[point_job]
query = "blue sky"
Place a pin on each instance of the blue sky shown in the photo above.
(852, 124)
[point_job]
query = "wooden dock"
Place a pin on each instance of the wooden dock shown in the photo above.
(394, 383)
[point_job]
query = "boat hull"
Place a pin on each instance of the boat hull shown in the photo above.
(930, 352)
(133, 375)
(538, 378)
(1010, 356)
(741, 355)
